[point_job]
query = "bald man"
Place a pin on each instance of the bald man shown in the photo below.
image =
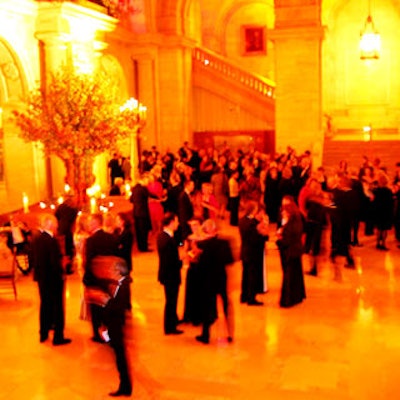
(50, 276)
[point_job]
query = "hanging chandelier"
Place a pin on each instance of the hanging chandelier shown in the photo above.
(370, 40)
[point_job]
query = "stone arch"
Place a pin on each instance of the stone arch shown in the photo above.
(173, 16)
(110, 66)
(227, 13)
(13, 84)
(13, 89)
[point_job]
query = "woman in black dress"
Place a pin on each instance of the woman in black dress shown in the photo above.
(290, 250)
(271, 193)
(383, 207)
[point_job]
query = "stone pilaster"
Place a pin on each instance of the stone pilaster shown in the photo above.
(174, 70)
(297, 35)
(72, 34)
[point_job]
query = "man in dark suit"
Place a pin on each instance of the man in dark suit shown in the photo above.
(141, 213)
(169, 272)
(185, 210)
(114, 319)
(115, 168)
(251, 254)
(341, 216)
(100, 243)
(215, 256)
(66, 214)
(114, 273)
(49, 274)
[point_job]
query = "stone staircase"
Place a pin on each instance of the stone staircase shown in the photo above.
(353, 151)
(221, 76)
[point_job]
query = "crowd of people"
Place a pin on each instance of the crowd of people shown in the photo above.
(178, 204)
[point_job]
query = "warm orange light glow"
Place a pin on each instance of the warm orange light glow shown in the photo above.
(367, 133)
(138, 112)
(25, 203)
(93, 205)
(370, 42)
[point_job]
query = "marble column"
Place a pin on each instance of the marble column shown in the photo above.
(298, 76)
(174, 71)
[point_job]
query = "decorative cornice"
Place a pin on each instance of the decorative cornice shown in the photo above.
(71, 10)
(309, 32)
(126, 37)
(18, 7)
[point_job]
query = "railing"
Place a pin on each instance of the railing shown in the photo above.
(112, 8)
(223, 66)
(117, 8)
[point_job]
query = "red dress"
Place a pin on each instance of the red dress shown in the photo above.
(155, 207)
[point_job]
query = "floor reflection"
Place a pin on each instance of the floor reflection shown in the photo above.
(340, 343)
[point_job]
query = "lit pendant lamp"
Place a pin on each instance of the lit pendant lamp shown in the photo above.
(370, 40)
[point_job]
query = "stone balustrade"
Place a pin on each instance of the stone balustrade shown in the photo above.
(252, 81)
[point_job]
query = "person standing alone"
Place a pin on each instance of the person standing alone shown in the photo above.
(169, 272)
(50, 276)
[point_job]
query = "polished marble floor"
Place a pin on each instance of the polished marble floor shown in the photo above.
(342, 342)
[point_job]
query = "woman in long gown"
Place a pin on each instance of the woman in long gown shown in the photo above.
(157, 195)
(290, 249)
(271, 194)
(383, 206)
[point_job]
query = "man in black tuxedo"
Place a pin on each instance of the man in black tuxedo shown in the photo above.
(251, 254)
(185, 210)
(341, 216)
(215, 256)
(99, 243)
(49, 274)
(141, 213)
(169, 272)
(114, 319)
(66, 214)
(115, 168)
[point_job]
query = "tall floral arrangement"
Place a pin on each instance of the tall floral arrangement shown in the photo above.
(75, 117)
